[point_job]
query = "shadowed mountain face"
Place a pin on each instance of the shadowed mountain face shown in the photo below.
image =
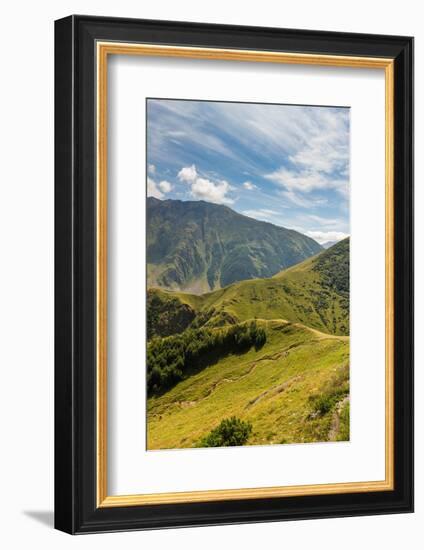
(196, 246)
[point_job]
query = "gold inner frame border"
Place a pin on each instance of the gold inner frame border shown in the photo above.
(103, 50)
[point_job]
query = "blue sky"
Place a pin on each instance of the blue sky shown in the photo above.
(284, 164)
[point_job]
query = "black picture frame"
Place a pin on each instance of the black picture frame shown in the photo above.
(76, 510)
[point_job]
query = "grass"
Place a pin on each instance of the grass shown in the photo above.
(269, 388)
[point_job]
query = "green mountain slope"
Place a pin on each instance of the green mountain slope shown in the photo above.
(293, 389)
(314, 292)
(167, 314)
(196, 246)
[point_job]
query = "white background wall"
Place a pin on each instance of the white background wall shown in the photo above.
(26, 273)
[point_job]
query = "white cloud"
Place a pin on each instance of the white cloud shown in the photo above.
(158, 190)
(188, 174)
(152, 190)
(324, 236)
(209, 191)
(249, 185)
(165, 186)
(204, 188)
(151, 168)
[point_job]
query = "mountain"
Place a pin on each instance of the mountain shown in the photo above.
(196, 246)
(314, 293)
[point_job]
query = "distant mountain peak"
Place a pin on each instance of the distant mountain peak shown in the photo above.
(329, 244)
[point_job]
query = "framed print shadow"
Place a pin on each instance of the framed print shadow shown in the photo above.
(233, 274)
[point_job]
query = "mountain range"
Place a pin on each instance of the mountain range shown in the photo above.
(196, 246)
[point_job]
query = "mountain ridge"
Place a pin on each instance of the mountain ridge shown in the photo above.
(197, 246)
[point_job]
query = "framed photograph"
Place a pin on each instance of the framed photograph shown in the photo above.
(234, 274)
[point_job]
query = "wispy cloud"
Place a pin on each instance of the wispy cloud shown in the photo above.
(328, 222)
(296, 199)
(321, 161)
(304, 181)
(176, 133)
(261, 213)
(249, 185)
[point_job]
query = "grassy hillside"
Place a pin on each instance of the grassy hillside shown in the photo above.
(314, 293)
(294, 389)
(196, 246)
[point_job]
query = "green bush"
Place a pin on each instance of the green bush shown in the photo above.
(331, 393)
(322, 404)
(232, 432)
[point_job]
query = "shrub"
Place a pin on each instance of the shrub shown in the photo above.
(331, 392)
(322, 404)
(232, 432)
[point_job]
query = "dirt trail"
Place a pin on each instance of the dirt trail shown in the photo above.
(274, 390)
(268, 357)
(323, 335)
(271, 357)
(314, 331)
(335, 422)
